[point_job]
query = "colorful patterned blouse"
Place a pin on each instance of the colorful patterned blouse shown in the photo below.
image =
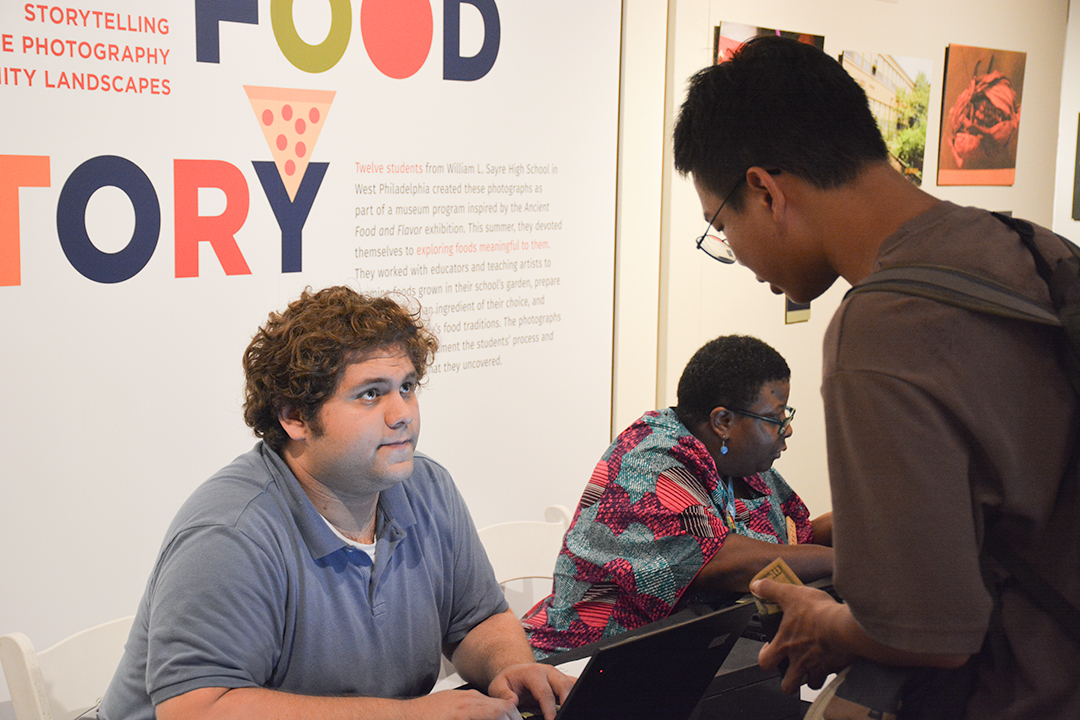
(653, 514)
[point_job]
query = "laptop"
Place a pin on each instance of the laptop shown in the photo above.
(657, 671)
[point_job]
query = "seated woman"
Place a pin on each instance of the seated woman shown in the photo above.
(684, 506)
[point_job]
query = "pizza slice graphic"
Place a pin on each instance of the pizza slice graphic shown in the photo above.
(291, 120)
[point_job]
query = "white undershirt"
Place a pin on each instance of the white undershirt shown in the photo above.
(365, 547)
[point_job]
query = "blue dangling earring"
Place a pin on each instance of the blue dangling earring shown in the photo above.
(723, 446)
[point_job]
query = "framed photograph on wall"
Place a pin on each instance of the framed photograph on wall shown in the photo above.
(898, 89)
(795, 312)
(980, 120)
(727, 36)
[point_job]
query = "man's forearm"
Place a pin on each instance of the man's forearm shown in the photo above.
(264, 704)
(819, 635)
(491, 647)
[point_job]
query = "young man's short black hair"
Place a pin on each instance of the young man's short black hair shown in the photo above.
(727, 372)
(776, 104)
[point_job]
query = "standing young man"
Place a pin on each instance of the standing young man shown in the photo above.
(944, 426)
(321, 573)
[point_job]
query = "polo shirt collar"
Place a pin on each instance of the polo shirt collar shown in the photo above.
(394, 513)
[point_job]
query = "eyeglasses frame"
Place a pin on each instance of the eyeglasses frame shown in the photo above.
(783, 425)
(730, 257)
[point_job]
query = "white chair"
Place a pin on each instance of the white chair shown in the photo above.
(523, 555)
(69, 678)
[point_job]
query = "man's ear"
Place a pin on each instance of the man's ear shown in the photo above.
(293, 423)
(765, 187)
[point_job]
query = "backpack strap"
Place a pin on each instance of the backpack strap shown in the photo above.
(1027, 235)
(1035, 587)
(956, 287)
(1063, 282)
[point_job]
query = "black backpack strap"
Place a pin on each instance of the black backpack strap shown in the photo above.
(1027, 234)
(1036, 588)
(955, 287)
(1063, 281)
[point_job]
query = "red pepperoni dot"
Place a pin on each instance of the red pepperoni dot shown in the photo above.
(301, 126)
(290, 167)
(268, 117)
(313, 115)
(301, 149)
(282, 142)
(286, 113)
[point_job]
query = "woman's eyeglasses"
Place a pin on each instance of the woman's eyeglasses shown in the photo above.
(783, 424)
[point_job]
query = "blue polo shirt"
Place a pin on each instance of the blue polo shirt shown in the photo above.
(252, 589)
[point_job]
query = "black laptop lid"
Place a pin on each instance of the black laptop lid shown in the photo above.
(656, 672)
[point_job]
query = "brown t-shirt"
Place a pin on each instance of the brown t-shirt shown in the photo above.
(937, 418)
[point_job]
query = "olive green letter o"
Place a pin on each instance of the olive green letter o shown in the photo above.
(312, 58)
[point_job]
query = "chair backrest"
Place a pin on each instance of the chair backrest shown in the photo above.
(522, 552)
(69, 678)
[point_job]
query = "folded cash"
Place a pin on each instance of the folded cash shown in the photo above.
(769, 613)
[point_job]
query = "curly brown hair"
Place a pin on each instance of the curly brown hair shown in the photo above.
(297, 358)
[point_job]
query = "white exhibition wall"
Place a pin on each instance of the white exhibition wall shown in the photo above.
(701, 298)
(149, 221)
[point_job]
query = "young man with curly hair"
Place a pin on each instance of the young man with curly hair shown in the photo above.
(322, 573)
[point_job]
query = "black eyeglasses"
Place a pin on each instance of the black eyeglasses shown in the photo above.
(783, 425)
(713, 242)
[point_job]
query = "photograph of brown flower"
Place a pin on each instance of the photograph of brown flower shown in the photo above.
(980, 121)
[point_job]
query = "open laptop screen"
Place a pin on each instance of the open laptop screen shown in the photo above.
(658, 671)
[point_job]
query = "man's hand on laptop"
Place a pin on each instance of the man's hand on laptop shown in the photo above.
(462, 705)
(532, 684)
